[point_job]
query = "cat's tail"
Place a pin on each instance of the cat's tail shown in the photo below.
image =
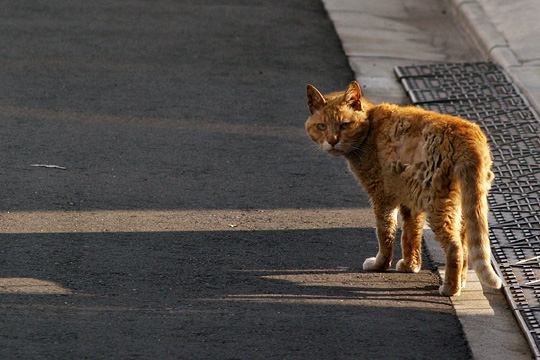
(475, 183)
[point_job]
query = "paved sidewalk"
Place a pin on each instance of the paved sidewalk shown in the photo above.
(379, 35)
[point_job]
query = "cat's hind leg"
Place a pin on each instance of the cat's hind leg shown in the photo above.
(411, 240)
(445, 221)
(465, 246)
(386, 232)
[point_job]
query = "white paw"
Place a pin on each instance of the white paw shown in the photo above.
(370, 264)
(374, 264)
(401, 267)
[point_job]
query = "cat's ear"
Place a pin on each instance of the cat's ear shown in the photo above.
(353, 96)
(315, 99)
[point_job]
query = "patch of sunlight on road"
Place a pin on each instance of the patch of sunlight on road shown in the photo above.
(183, 220)
(31, 286)
(210, 126)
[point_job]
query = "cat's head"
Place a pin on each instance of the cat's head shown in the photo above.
(338, 121)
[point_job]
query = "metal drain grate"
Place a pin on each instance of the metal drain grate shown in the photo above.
(483, 93)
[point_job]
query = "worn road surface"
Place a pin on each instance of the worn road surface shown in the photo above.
(194, 219)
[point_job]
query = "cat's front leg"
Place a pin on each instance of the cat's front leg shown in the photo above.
(411, 240)
(386, 232)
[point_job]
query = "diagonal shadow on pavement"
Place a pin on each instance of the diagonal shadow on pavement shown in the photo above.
(174, 294)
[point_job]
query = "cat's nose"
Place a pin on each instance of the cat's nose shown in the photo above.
(333, 140)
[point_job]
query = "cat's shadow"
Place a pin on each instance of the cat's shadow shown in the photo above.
(352, 286)
(163, 267)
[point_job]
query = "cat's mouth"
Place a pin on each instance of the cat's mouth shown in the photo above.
(336, 149)
(335, 152)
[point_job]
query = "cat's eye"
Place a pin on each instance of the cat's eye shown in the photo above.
(321, 126)
(345, 125)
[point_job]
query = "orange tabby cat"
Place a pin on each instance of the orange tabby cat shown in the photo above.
(428, 165)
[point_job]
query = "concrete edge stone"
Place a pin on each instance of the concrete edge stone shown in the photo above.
(534, 101)
(477, 24)
(504, 56)
(481, 311)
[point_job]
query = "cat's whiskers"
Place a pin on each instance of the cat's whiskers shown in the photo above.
(351, 146)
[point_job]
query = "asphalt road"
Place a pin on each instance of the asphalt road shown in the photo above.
(194, 218)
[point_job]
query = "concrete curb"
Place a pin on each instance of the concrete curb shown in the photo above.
(488, 324)
(493, 44)
(472, 16)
